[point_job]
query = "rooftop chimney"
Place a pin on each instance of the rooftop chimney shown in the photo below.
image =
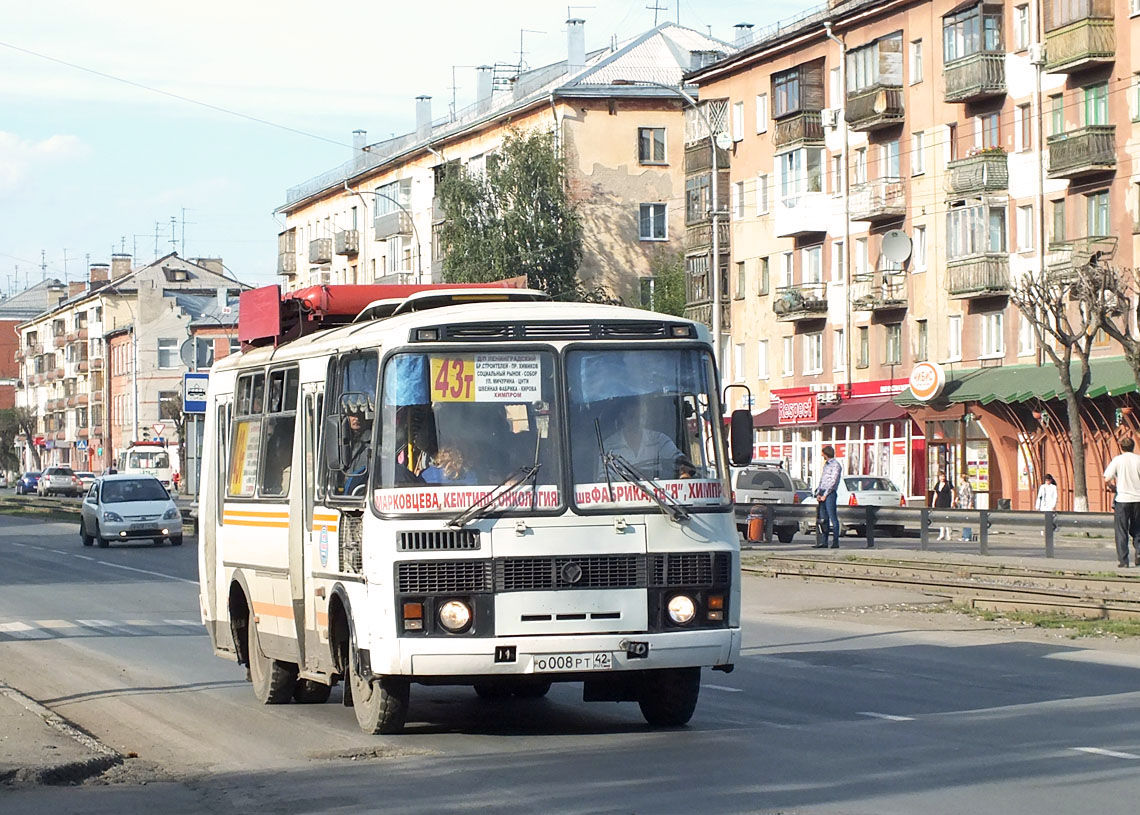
(75, 287)
(575, 45)
(743, 34)
(484, 76)
(423, 117)
(99, 273)
(213, 264)
(120, 265)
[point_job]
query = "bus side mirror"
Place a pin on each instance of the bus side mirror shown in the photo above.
(740, 436)
(334, 460)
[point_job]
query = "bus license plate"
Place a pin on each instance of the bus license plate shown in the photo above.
(596, 661)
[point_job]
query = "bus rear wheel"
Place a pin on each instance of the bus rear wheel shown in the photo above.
(311, 692)
(668, 697)
(381, 705)
(273, 680)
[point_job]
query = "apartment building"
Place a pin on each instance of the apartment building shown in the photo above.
(98, 363)
(895, 169)
(377, 218)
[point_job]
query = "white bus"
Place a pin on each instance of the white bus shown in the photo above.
(468, 487)
(147, 458)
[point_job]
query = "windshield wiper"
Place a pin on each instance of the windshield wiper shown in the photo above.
(484, 505)
(655, 491)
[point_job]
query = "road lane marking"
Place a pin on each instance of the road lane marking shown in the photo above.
(147, 571)
(23, 545)
(886, 716)
(185, 623)
(59, 551)
(724, 688)
(1098, 751)
(71, 629)
(84, 557)
(55, 623)
(8, 627)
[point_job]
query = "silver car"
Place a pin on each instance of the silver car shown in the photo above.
(59, 481)
(129, 507)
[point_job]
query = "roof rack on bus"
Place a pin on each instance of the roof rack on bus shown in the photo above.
(267, 316)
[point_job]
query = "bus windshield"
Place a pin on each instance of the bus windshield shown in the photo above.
(148, 459)
(455, 425)
(653, 413)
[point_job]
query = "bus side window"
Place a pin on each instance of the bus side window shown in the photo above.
(245, 444)
(276, 460)
(220, 450)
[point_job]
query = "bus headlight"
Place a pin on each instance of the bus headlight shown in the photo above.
(455, 616)
(681, 609)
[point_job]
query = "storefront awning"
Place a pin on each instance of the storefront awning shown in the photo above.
(1111, 376)
(853, 411)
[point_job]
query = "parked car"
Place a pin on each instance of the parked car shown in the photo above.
(760, 483)
(129, 507)
(59, 481)
(869, 490)
(26, 484)
(86, 478)
(803, 491)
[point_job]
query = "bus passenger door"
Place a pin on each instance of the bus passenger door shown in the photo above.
(318, 524)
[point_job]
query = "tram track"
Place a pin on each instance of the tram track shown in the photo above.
(1000, 587)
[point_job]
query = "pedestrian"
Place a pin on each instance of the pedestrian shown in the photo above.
(1124, 473)
(943, 499)
(825, 493)
(1047, 495)
(965, 499)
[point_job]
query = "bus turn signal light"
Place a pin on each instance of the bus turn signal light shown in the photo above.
(413, 616)
(716, 607)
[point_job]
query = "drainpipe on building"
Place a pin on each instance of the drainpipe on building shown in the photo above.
(848, 339)
(1037, 53)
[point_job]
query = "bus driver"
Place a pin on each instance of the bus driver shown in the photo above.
(653, 454)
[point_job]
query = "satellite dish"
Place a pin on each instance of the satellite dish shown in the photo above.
(723, 141)
(896, 246)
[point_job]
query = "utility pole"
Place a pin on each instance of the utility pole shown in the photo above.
(43, 265)
(65, 264)
(173, 234)
(156, 240)
(655, 8)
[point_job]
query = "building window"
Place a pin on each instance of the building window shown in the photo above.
(813, 353)
(235, 345)
(740, 281)
(1025, 228)
(951, 142)
(871, 64)
(1023, 128)
(835, 88)
(859, 171)
(915, 59)
(698, 195)
(738, 362)
(918, 250)
(1026, 338)
(737, 121)
(1096, 104)
(971, 31)
(761, 113)
(838, 350)
(921, 341)
(811, 264)
(648, 286)
(954, 338)
(838, 262)
(864, 347)
(762, 359)
(167, 353)
(762, 194)
(837, 174)
(893, 350)
(1058, 220)
(975, 230)
(651, 145)
(989, 126)
(993, 336)
(203, 352)
(801, 171)
(1056, 114)
(1097, 206)
(917, 153)
(738, 199)
(1021, 27)
(862, 258)
(765, 276)
(786, 93)
(789, 357)
(394, 197)
(786, 270)
(889, 159)
(652, 223)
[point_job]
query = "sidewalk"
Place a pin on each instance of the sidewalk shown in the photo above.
(38, 747)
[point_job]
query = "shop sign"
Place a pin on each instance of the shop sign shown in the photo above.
(927, 381)
(899, 447)
(798, 410)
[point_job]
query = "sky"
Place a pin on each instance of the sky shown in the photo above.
(100, 145)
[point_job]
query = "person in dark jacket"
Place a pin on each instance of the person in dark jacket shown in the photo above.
(943, 499)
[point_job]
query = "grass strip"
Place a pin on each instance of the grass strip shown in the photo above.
(1072, 627)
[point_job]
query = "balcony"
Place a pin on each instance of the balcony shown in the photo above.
(389, 224)
(977, 76)
(879, 292)
(978, 276)
(97, 430)
(287, 264)
(805, 127)
(78, 335)
(699, 235)
(96, 363)
(347, 242)
(1065, 258)
(78, 400)
(874, 108)
(803, 215)
(61, 435)
(1085, 42)
(883, 199)
(977, 174)
(82, 366)
(804, 302)
(97, 397)
(702, 313)
(320, 250)
(1085, 151)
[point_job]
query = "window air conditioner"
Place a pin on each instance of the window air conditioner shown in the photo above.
(829, 117)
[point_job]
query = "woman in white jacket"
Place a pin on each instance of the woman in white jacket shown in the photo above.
(1047, 495)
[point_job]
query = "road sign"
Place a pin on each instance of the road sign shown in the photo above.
(158, 428)
(81, 444)
(194, 392)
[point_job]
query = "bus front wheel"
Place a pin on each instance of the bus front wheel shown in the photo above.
(668, 697)
(273, 680)
(381, 705)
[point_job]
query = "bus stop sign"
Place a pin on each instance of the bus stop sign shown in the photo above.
(194, 392)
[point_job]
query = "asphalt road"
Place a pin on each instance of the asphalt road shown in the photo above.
(821, 716)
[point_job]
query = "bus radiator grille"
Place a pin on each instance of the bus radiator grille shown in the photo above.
(438, 540)
(586, 572)
(443, 576)
(691, 569)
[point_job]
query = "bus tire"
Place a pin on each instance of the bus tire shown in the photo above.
(381, 705)
(273, 680)
(532, 690)
(668, 697)
(311, 692)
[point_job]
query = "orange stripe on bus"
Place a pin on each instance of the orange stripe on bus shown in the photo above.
(322, 618)
(272, 610)
(268, 524)
(328, 527)
(255, 514)
(319, 517)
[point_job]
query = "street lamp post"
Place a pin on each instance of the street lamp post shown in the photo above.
(715, 204)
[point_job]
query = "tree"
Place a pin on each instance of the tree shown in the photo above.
(14, 422)
(1112, 295)
(9, 429)
(515, 219)
(668, 273)
(170, 410)
(1051, 303)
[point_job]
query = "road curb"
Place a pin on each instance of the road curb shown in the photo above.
(102, 757)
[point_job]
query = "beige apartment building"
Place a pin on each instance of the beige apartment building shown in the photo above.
(895, 169)
(376, 218)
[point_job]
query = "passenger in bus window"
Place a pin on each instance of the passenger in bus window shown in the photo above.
(652, 453)
(448, 467)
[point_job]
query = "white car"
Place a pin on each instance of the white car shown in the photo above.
(129, 507)
(86, 478)
(869, 490)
